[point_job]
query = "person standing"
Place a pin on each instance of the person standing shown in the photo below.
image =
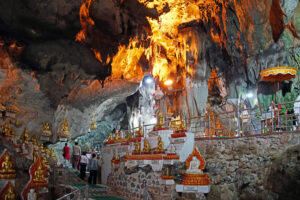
(93, 167)
(66, 154)
(83, 164)
(76, 156)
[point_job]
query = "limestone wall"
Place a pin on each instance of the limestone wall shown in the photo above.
(256, 167)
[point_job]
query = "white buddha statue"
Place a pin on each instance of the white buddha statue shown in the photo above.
(31, 195)
(171, 149)
(194, 167)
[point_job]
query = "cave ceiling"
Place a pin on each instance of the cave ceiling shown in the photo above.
(67, 59)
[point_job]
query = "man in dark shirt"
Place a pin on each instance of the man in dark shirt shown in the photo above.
(93, 167)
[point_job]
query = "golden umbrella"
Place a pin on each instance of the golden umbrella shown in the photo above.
(278, 74)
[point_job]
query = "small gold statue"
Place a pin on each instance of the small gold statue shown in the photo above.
(93, 125)
(7, 166)
(42, 148)
(160, 121)
(136, 148)
(167, 172)
(66, 126)
(182, 124)
(146, 148)
(6, 130)
(116, 138)
(127, 153)
(160, 146)
(39, 175)
(118, 157)
(114, 156)
(26, 137)
(10, 194)
(46, 127)
(140, 133)
(45, 162)
(110, 138)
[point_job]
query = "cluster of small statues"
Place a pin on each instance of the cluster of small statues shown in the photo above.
(146, 148)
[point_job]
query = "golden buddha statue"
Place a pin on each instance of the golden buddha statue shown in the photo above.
(136, 148)
(118, 157)
(7, 166)
(167, 172)
(42, 148)
(66, 126)
(46, 127)
(114, 156)
(93, 125)
(160, 146)
(39, 175)
(116, 138)
(160, 121)
(139, 132)
(182, 124)
(45, 162)
(26, 137)
(127, 153)
(146, 148)
(6, 130)
(110, 138)
(10, 194)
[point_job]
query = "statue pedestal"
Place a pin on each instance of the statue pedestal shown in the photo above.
(193, 188)
(63, 139)
(168, 182)
(44, 138)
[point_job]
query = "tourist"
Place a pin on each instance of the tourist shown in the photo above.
(83, 164)
(66, 154)
(93, 167)
(76, 156)
(100, 163)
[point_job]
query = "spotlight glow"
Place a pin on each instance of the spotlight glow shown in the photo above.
(249, 95)
(148, 80)
(168, 82)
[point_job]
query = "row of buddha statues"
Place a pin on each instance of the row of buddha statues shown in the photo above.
(177, 125)
(146, 148)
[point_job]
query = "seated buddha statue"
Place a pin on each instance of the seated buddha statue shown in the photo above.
(66, 126)
(42, 148)
(46, 127)
(118, 157)
(10, 194)
(129, 136)
(137, 148)
(146, 148)
(6, 130)
(116, 138)
(139, 132)
(39, 175)
(160, 122)
(93, 125)
(110, 138)
(194, 167)
(182, 124)
(7, 166)
(160, 146)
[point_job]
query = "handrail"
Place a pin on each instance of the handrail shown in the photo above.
(234, 120)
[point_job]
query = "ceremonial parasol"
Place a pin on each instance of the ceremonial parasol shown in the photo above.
(278, 74)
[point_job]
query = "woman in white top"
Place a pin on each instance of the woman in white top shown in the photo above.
(83, 164)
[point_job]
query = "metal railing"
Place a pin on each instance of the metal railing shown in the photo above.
(239, 122)
(77, 194)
